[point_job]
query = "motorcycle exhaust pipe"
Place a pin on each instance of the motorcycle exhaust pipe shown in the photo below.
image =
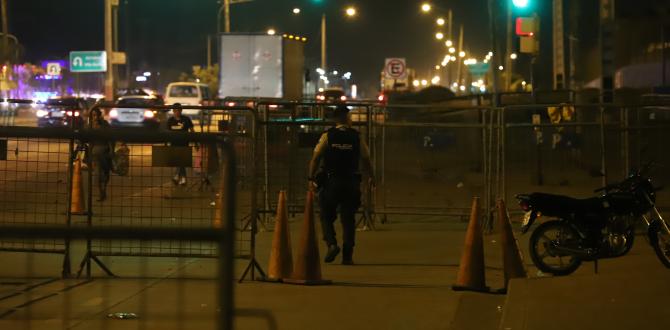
(573, 251)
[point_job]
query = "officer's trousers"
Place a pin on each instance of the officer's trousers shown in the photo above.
(345, 194)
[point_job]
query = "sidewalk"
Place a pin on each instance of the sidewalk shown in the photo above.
(631, 292)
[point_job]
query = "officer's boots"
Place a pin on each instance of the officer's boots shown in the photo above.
(333, 251)
(347, 255)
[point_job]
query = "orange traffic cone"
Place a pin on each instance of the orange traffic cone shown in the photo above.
(218, 210)
(512, 262)
(307, 270)
(77, 205)
(281, 260)
(471, 271)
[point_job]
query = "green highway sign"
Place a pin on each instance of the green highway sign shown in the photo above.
(88, 61)
(478, 68)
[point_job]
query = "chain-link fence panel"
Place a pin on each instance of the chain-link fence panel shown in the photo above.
(431, 160)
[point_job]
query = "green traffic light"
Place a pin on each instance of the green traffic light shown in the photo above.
(520, 3)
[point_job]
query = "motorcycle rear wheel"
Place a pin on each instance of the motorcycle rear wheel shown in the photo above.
(660, 240)
(542, 247)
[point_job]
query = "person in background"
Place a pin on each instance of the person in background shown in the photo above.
(100, 153)
(179, 123)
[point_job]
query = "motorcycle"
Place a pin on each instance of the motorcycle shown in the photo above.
(593, 228)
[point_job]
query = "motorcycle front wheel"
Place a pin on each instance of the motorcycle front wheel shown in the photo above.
(660, 240)
(543, 248)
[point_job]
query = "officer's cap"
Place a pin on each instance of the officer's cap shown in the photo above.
(341, 110)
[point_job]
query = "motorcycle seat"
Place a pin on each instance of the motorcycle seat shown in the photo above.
(560, 205)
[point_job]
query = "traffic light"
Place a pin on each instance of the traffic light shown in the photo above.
(520, 3)
(527, 26)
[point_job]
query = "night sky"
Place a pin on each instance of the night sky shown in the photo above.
(170, 35)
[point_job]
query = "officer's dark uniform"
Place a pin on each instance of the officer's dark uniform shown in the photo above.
(341, 187)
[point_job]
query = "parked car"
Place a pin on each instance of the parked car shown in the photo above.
(141, 116)
(188, 93)
(60, 112)
(331, 95)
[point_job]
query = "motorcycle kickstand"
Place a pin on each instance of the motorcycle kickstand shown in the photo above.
(595, 265)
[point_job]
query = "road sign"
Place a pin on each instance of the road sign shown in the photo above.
(88, 61)
(53, 69)
(395, 68)
(119, 58)
(478, 68)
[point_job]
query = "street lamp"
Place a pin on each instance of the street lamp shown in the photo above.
(296, 10)
(225, 10)
(350, 12)
(439, 36)
(513, 56)
(449, 43)
(271, 31)
(426, 7)
(440, 21)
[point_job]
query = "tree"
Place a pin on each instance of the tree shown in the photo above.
(207, 75)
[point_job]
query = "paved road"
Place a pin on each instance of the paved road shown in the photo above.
(401, 281)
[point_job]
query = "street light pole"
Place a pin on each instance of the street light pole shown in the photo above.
(226, 9)
(323, 42)
(508, 51)
(5, 32)
(109, 50)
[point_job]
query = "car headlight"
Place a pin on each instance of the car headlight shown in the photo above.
(113, 113)
(148, 114)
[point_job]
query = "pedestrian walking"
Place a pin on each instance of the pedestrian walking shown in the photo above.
(179, 123)
(340, 152)
(100, 153)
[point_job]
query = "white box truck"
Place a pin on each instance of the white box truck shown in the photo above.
(261, 66)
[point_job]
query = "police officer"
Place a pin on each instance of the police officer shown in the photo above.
(340, 150)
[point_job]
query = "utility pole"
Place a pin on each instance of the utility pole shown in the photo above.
(323, 43)
(450, 19)
(126, 22)
(459, 59)
(5, 32)
(607, 50)
(109, 48)
(226, 9)
(508, 50)
(209, 51)
(559, 45)
(496, 56)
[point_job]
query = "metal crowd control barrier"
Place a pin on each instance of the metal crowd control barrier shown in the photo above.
(220, 235)
(237, 126)
(574, 148)
(215, 233)
(431, 159)
(35, 177)
(290, 131)
(240, 127)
